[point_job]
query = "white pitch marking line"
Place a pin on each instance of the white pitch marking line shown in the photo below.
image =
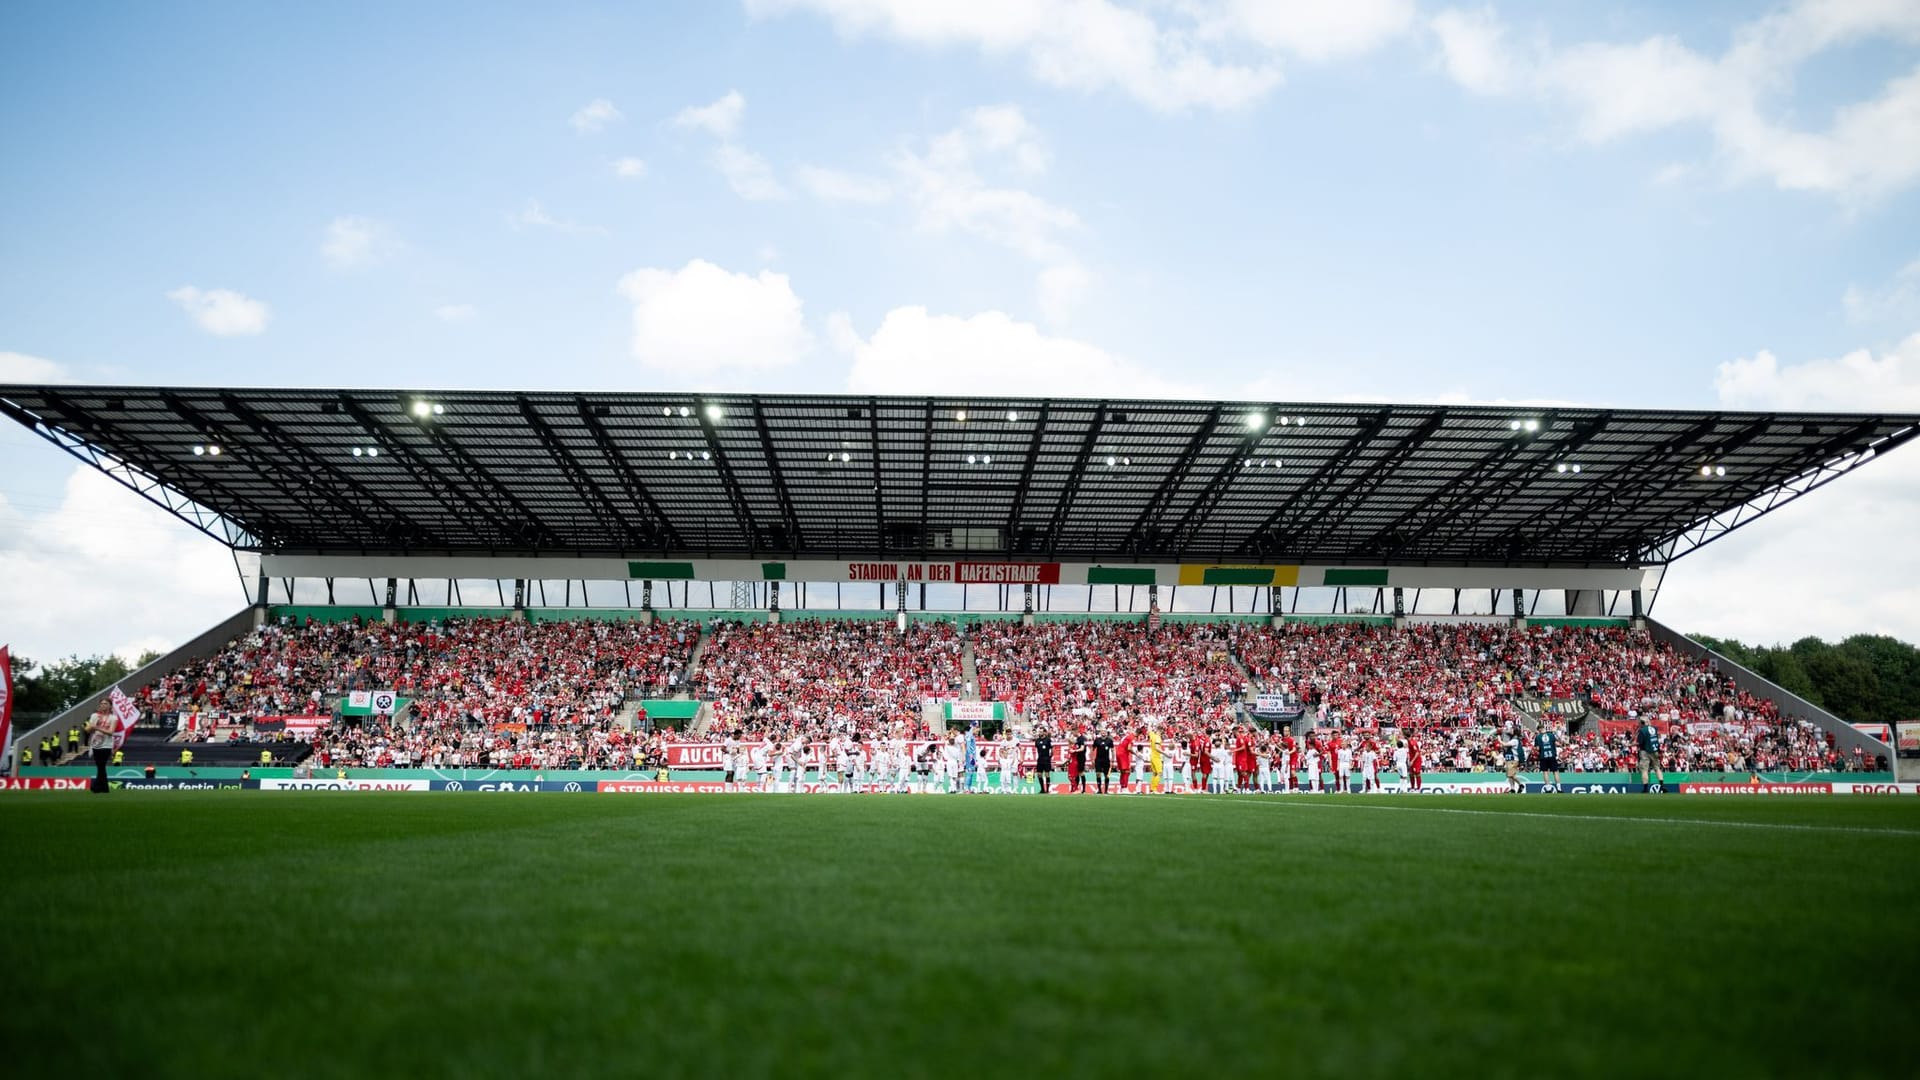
(1779, 825)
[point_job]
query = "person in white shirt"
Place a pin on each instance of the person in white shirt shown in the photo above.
(1222, 770)
(902, 755)
(780, 765)
(1008, 761)
(1400, 761)
(953, 764)
(1314, 782)
(730, 762)
(1181, 765)
(757, 763)
(1343, 766)
(1263, 766)
(1369, 769)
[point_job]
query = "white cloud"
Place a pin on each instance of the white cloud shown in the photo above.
(1859, 380)
(1313, 31)
(353, 242)
(222, 312)
(914, 352)
(22, 368)
(535, 216)
(1867, 149)
(947, 189)
(81, 577)
(747, 173)
(831, 185)
(701, 317)
(1836, 562)
(594, 116)
(1898, 299)
(719, 119)
(630, 168)
(455, 312)
(1473, 49)
(1169, 57)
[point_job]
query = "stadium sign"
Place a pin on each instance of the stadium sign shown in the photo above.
(511, 785)
(1908, 732)
(299, 784)
(1761, 788)
(143, 784)
(42, 783)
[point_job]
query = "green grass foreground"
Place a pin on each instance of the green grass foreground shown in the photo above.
(474, 934)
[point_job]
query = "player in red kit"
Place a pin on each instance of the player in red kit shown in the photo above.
(1203, 760)
(1123, 757)
(1243, 759)
(1414, 762)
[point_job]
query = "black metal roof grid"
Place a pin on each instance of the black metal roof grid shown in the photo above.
(859, 477)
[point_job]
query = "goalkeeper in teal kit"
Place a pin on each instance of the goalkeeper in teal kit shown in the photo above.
(1546, 747)
(1649, 740)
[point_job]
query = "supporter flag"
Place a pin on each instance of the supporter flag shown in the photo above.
(126, 713)
(6, 704)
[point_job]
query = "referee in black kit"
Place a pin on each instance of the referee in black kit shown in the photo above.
(1043, 758)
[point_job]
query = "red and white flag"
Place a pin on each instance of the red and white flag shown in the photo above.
(6, 704)
(125, 713)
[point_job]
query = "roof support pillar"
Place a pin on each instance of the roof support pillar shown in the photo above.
(1519, 610)
(389, 613)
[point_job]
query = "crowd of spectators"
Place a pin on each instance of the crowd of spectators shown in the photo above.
(1119, 672)
(506, 693)
(826, 675)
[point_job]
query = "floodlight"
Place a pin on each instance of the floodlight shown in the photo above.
(373, 451)
(986, 459)
(960, 416)
(1719, 470)
(357, 451)
(1111, 462)
(213, 450)
(439, 409)
(1256, 421)
(198, 450)
(685, 412)
(714, 414)
(421, 408)
(1532, 425)
(1012, 417)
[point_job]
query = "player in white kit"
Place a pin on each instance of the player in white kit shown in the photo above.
(1182, 764)
(757, 765)
(1222, 770)
(1263, 766)
(730, 763)
(1313, 769)
(902, 761)
(1369, 768)
(1343, 766)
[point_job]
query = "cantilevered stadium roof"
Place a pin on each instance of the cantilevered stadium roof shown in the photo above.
(323, 471)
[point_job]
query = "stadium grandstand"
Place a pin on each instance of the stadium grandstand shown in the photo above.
(660, 587)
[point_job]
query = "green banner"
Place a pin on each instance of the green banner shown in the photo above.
(1120, 575)
(661, 571)
(1354, 577)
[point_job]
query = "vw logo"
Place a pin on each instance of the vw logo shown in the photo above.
(453, 785)
(571, 786)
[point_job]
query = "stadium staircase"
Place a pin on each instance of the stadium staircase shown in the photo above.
(1791, 706)
(208, 643)
(969, 672)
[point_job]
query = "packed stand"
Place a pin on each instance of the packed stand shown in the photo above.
(847, 675)
(1122, 672)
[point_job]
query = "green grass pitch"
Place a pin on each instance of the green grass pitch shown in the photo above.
(474, 934)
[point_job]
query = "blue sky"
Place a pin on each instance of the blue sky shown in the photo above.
(1654, 204)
